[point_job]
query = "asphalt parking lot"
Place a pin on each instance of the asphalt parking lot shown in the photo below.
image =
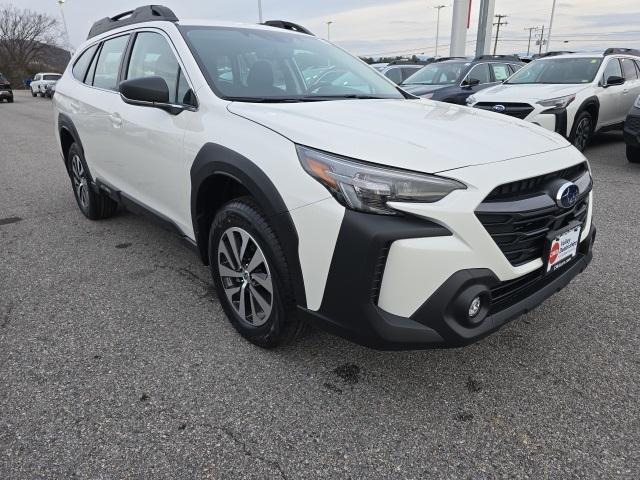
(116, 360)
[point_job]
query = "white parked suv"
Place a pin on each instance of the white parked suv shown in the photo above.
(575, 95)
(40, 81)
(394, 221)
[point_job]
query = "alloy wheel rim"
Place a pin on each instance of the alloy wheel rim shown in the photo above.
(245, 276)
(80, 184)
(582, 133)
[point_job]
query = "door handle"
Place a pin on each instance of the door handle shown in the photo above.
(116, 120)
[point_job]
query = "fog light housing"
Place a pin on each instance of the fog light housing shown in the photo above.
(475, 306)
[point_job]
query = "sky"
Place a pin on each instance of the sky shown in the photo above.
(391, 27)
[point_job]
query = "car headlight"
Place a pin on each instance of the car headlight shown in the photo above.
(368, 188)
(560, 102)
(637, 104)
(471, 99)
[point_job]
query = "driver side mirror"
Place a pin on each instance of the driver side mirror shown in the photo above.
(471, 82)
(614, 80)
(148, 92)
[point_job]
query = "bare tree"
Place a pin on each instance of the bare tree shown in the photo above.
(24, 36)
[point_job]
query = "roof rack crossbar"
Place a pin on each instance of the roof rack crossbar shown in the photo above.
(622, 51)
(294, 27)
(148, 13)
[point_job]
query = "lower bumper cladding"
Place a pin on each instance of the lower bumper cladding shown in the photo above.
(444, 321)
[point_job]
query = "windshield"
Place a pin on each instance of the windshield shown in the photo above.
(275, 66)
(437, 74)
(51, 77)
(558, 70)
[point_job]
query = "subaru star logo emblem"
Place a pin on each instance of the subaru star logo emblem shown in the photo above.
(499, 108)
(567, 195)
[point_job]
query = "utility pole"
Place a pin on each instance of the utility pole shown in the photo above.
(553, 12)
(499, 23)
(260, 10)
(531, 30)
(482, 27)
(541, 39)
(329, 30)
(439, 7)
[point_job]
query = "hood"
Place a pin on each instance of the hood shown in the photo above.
(421, 89)
(530, 92)
(418, 135)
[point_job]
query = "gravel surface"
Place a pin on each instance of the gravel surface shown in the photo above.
(116, 360)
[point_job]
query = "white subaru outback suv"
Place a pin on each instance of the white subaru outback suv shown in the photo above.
(40, 81)
(393, 221)
(575, 95)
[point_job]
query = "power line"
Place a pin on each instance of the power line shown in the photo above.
(499, 23)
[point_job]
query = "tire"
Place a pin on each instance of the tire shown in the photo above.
(268, 319)
(10, 100)
(582, 130)
(633, 154)
(94, 205)
(33, 94)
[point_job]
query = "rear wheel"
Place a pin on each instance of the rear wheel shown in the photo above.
(582, 131)
(251, 276)
(33, 94)
(10, 100)
(633, 154)
(94, 205)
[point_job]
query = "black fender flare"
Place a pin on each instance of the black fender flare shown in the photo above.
(66, 124)
(214, 159)
(593, 100)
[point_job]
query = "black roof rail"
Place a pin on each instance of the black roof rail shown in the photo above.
(513, 58)
(445, 59)
(551, 54)
(622, 51)
(148, 13)
(408, 61)
(294, 27)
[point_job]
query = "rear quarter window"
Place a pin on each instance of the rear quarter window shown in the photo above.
(82, 64)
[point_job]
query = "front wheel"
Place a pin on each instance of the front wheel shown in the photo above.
(633, 154)
(582, 131)
(251, 276)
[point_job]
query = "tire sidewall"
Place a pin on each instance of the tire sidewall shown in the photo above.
(89, 210)
(246, 216)
(581, 116)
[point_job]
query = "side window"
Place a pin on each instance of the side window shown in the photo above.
(480, 72)
(514, 67)
(629, 68)
(394, 74)
(407, 72)
(500, 71)
(152, 56)
(108, 64)
(82, 64)
(612, 70)
(37, 78)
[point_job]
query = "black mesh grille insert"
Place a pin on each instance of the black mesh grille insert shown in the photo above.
(533, 185)
(518, 110)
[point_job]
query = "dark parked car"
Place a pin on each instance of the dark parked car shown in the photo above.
(453, 80)
(5, 90)
(632, 133)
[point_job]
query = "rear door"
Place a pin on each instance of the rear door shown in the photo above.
(631, 84)
(94, 117)
(149, 142)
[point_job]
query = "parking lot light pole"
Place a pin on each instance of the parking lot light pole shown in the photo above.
(329, 30)
(439, 7)
(260, 11)
(64, 23)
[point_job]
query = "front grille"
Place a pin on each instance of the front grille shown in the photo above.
(511, 292)
(533, 185)
(520, 215)
(518, 110)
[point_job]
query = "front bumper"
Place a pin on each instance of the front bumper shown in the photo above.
(631, 130)
(441, 322)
